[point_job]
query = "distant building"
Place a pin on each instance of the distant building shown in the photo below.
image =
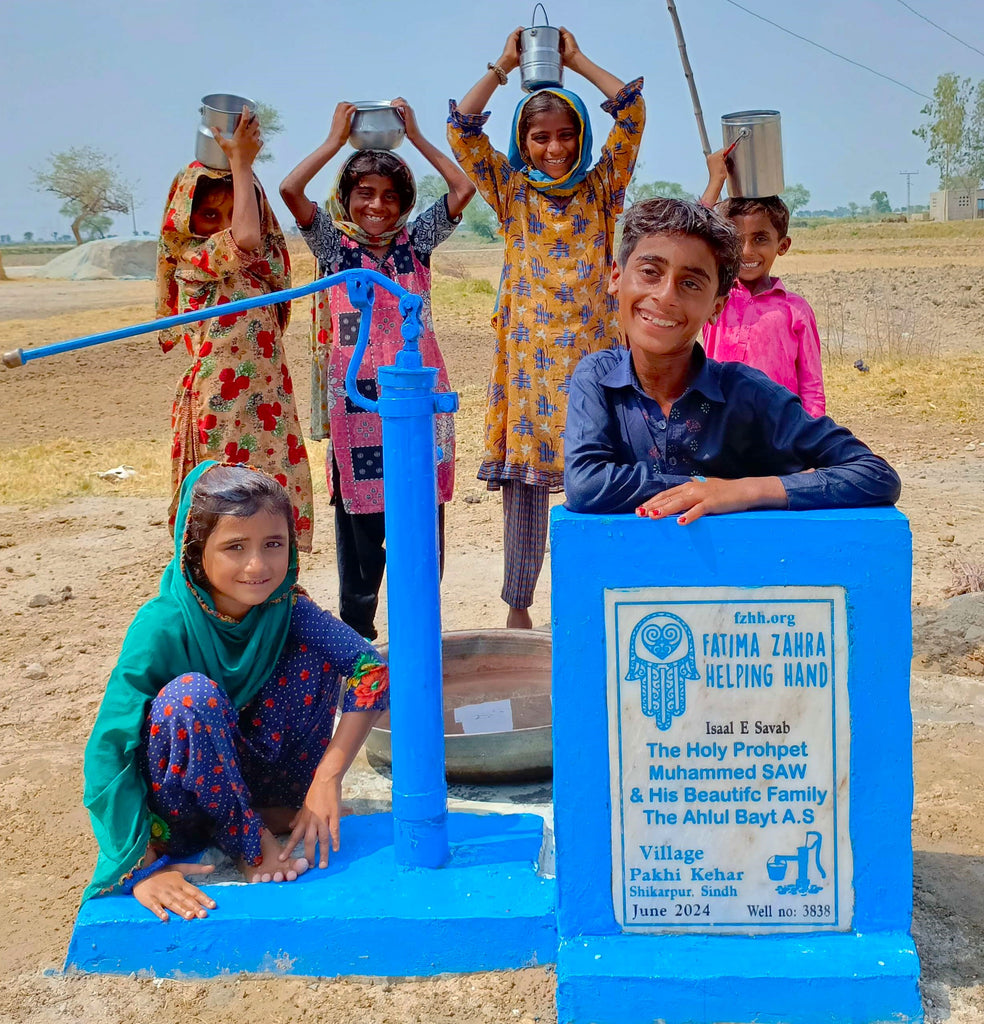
(956, 204)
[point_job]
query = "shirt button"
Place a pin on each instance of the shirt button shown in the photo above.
(672, 460)
(662, 424)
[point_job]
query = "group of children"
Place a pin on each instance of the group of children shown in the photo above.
(218, 722)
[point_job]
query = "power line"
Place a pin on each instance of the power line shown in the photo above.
(826, 49)
(941, 28)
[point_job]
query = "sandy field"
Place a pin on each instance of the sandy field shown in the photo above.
(907, 300)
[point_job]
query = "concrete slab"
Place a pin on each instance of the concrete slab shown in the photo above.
(489, 909)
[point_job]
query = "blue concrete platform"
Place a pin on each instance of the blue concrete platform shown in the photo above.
(363, 915)
(765, 979)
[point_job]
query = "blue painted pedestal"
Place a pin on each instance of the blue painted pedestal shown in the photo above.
(865, 973)
(363, 915)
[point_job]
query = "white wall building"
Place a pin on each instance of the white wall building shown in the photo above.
(956, 204)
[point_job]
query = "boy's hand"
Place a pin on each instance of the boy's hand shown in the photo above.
(409, 118)
(509, 60)
(245, 144)
(167, 889)
(699, 497)
(341, 124)
(570, 52)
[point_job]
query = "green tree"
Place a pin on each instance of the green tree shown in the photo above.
(430, 188)
(853, 207)
(28, 236)
(880, 203)
(271, 123)
(87, 181)
(943, 131)
(91, 226)
(795, 197)
(640, 190)
(974, 138)
(479, 218)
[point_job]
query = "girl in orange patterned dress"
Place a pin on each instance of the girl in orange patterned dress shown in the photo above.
(220, 242)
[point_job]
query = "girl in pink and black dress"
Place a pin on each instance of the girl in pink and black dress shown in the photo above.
(367, 228)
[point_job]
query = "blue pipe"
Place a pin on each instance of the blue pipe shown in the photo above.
(19, 356)
(407, 405)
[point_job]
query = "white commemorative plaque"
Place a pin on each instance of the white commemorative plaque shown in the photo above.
(729, 737)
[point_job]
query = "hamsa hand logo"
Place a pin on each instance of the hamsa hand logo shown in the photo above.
(661, 657)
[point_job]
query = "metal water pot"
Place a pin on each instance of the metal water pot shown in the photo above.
(755, 163)
(376, 125)
(219, 110)
(540, 65)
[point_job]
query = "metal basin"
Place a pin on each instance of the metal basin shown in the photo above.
(481, 669)
(376, 125)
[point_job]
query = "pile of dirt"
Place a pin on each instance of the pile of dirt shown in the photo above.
(106, 258)
(952, 634)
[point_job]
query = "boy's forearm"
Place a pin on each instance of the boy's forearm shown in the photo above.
(293, 187)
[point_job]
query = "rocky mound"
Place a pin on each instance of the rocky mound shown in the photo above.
(952, 634)
(105, 259)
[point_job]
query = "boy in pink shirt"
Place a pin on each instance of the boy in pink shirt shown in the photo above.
(762, 324)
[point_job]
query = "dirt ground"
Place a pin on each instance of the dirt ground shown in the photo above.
(67, 417)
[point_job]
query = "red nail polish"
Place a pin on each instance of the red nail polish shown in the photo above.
(655, 513)
(682, 520)
(641, 512)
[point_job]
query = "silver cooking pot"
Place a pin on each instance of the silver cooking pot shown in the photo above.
(219, 110)
(755, 163)
(540, 65)
(376, 125)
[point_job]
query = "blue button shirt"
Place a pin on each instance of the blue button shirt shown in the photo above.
(731, 422)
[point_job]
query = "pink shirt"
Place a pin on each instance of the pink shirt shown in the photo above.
(776, 332)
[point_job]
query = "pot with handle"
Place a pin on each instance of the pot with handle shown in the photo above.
(221, 110)
(755, 166)
(540, 65)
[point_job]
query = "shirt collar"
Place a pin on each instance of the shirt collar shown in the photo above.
(777, 286)
(706, 374)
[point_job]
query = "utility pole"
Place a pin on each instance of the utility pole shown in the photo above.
(908, 193)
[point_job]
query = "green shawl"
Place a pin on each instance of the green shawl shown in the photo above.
(178, 631)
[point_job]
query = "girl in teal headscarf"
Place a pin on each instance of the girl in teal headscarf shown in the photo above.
(557, 212)
(216, 724)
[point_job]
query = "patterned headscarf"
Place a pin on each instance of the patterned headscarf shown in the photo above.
(540, 180)
(270, 270)
(178, 631)
(340, 215)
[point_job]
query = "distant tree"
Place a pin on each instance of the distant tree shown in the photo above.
(880, 203)
(480, 219)
(943, 132)
(271, 124)
(853, 208)
(974, 138)
(83, 176)
(94, 225)
(640, 190)
(430, 188)
(795, 197)
(28, 236)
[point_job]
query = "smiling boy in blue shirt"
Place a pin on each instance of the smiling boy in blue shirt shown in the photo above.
(661, 430)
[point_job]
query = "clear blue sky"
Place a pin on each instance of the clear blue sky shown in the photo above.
(127, 77)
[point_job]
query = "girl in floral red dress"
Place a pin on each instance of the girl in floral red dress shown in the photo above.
(220, 242)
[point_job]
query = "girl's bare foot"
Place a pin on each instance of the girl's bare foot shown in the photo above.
(519, 618)
(271, 868)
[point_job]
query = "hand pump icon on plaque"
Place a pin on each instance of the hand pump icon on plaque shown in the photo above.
(802, 884)
(661, 657)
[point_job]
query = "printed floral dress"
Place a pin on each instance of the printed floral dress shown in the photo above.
(235, 403)
(553, 306)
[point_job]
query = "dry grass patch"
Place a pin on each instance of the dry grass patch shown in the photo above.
(944, 390)
(63, 326)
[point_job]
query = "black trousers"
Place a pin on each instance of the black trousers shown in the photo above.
(360, 551)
